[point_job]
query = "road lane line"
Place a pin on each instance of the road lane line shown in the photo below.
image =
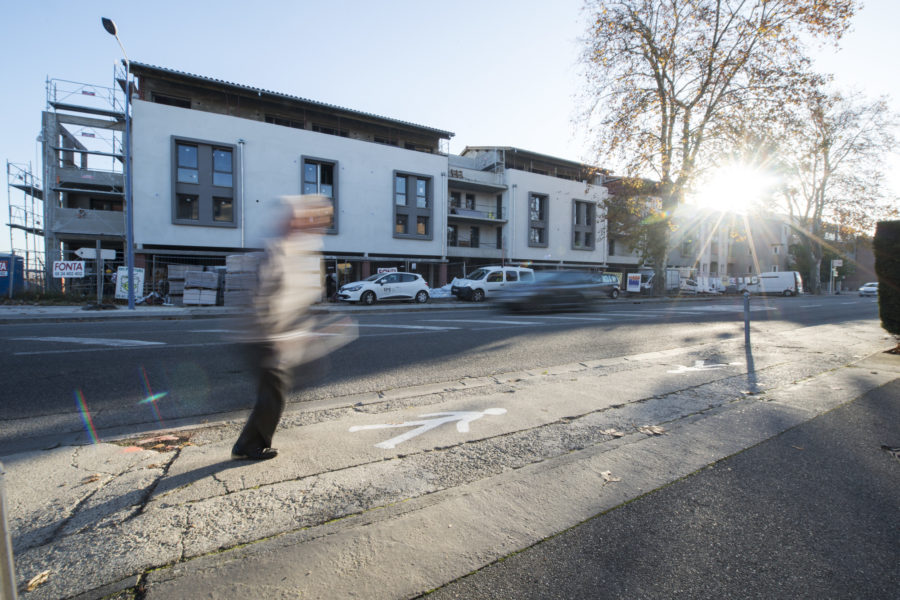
(428, 327)
(111, 342)
(486, 321)
(577, 318)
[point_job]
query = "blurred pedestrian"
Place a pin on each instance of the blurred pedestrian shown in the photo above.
(280, 331)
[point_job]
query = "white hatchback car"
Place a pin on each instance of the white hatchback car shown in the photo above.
(386, 286)
(869, 289)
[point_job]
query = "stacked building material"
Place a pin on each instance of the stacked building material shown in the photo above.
(176, 275)
(200, 288)
(241, 273)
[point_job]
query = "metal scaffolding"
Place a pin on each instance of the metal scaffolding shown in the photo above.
(26, 221)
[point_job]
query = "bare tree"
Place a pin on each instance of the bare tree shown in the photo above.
(834, 151)
(665, 76)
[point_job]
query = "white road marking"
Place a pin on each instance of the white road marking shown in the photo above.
(212, 331)
(463, 418)
(429, 327)
(700, 366)
(809, 305)
(485, 321)
(110, 342)
(577, 318)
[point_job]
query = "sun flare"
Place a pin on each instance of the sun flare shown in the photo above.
(733, 188)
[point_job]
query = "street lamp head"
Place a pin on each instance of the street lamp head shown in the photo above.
(109, 25)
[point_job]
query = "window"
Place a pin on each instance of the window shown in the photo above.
(499, 238)
(495, 277)
(330, 130)
(320, 177)
(512, 276)
(583, 226)
(537, 220)
(474, 237)
(470, 201)
(611, 246)
(171, 100)
(455, 200)
(203, 186)
(452, 235)
(413, 204)
(284, 121)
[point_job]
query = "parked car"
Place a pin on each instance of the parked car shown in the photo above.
(386, 286)
(869, 289)
(560, 289)
(486, 281)
(688, 286)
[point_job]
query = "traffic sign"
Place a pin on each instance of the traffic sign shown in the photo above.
(91, 254)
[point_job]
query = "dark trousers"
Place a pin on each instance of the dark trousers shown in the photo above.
(270, 400)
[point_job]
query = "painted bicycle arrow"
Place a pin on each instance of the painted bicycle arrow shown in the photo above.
(461, 417)
(700, 365)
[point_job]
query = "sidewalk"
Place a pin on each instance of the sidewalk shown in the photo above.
(344, 513)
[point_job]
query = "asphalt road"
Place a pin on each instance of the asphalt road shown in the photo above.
(810, 513)
(62, 378)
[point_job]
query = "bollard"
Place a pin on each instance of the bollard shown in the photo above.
(7, 570)
(747, 318)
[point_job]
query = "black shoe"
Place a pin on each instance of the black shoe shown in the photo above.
(253, 454)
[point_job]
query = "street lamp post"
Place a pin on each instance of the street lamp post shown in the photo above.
(110, 27)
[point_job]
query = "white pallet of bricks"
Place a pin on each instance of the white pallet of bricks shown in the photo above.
(200, 288)
(176, 274)
(241, 272)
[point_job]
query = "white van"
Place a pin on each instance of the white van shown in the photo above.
(786, 283)
(481, 283)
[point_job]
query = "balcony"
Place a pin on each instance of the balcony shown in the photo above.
(81, 221)
(467, 215)
(463, 249)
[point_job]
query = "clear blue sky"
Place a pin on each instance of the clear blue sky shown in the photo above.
(495, 72)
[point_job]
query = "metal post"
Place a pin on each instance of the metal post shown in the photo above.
(99, 259)
(747, 319)
(129, 200)
(7, 568)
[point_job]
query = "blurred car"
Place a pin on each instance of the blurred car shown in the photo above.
(560, 289)
(869, 289)
(688, 286)
(386, 286)
(488, 281)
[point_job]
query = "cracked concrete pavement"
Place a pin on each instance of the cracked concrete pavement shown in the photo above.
(337, 516)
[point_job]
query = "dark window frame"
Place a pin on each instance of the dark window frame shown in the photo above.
(588, 229)
(539, 224)
(335, 169)
(204, 191)
(410, 209)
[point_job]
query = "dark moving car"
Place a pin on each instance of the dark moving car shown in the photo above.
(561, 289)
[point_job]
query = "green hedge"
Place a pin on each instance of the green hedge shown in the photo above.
(887, 267)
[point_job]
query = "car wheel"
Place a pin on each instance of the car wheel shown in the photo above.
(787, 293)
(477, 295)
(614, 294)
(422, 297)
(367, 298)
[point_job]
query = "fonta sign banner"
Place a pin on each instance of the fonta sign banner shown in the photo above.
(68, 268)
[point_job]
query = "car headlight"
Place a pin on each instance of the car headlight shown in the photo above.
(354, 288)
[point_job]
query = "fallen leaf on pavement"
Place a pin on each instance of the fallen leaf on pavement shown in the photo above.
(91, 478)
(37, 580)
(607, 476)
(613, 432)
(652, 429)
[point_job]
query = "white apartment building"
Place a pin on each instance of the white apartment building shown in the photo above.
(210, 159)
